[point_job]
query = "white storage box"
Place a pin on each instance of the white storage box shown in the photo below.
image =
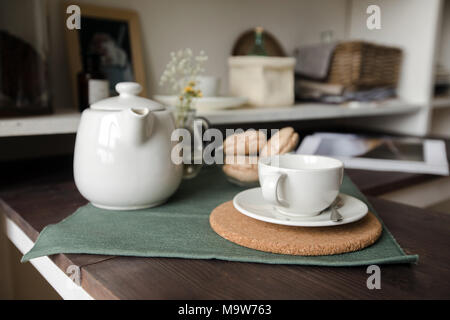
(265, 81)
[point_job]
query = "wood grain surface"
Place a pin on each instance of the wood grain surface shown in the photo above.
(37, 193)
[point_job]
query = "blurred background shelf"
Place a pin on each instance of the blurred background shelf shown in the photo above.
(441, 102)
(65, 121)
(305, 22)
(307, 111)
(60, 122)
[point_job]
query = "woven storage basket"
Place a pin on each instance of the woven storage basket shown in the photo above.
(358, 64)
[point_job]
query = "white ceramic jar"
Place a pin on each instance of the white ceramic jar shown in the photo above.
(122, 158)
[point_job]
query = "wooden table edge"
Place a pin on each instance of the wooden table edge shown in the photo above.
(92, 287)
(77, 273)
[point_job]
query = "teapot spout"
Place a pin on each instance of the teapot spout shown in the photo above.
(138, 125)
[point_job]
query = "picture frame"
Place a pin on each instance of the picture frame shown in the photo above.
(104, 22)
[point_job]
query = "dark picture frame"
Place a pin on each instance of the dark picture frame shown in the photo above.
(116, 29)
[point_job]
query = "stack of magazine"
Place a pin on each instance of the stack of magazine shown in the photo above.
(380, 153)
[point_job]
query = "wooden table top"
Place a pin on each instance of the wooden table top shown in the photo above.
(35, 194)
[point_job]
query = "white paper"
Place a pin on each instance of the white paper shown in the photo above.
(351, 149)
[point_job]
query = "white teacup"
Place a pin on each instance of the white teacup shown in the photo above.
(208, 85)
(300, 185)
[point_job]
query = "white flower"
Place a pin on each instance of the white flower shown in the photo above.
(182, 67)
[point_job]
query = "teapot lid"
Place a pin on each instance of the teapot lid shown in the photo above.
(127, 98)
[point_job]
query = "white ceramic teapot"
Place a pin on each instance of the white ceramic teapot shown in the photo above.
(122, 152)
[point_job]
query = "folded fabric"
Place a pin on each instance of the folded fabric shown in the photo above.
(335, 93)
(181, 229)
(375, 94)
(314, 61)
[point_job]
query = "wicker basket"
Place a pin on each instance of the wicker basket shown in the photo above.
(359, 65)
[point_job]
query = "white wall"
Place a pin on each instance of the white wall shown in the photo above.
(213, 25)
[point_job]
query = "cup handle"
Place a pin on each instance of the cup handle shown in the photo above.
(270, 189)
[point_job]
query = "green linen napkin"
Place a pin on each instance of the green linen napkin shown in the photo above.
(180, 229)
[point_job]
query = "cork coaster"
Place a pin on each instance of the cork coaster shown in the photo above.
(230, 224)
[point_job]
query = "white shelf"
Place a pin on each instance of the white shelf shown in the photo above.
(66, 121)
(62, 121)
(441, 102)
(307, 111)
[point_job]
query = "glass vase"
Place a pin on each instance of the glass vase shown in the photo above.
(191, 141)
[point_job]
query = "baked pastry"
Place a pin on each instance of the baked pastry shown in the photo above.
(249, 142)
(241, 151)
(240, 160)
(283, 141)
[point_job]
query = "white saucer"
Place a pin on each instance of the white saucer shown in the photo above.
(251, 203)
(205, 103)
